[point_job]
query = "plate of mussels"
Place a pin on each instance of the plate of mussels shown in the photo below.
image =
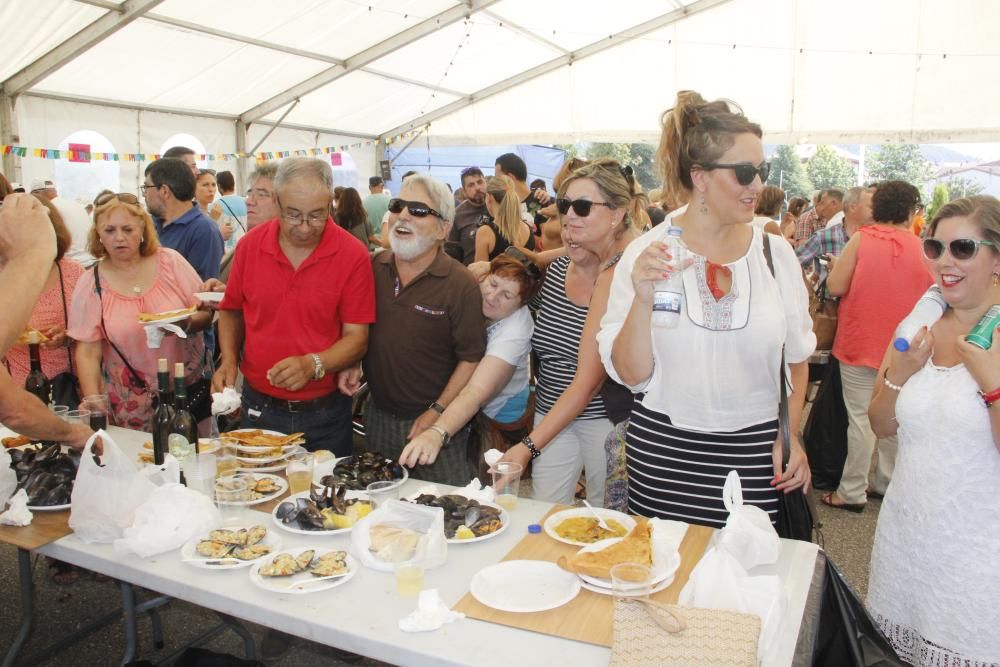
(327, 510)
(305, 570)
(230, 548)
(465, 519)
(357, 472)
(46, 473)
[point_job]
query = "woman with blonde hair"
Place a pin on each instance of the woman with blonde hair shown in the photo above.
(710, 385)
(507, 228)
(133, 275)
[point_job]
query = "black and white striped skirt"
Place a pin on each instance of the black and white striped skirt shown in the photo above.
(676, 473)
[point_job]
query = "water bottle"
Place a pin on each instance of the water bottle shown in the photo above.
(929, 309)
(668, 294)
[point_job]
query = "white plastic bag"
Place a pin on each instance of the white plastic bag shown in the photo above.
(106, 496)
(8, 479)
(748, 534)
(171, 515)
(432, 548)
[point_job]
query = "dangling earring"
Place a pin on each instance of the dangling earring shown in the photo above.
(996, 279)
(703, 208)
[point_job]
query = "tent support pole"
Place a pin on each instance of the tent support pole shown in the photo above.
(241, 163)
(275, 126)
(8, 135)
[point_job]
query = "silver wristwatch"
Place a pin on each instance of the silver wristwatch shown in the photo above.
(319, 371)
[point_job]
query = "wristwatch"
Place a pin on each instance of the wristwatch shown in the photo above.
(436, 407)
(445, 436)
(319, 371)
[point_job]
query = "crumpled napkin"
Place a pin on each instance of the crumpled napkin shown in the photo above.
(155, 332)
(431, 614)
(17, 513)
(225, 402)
(492, 456)
(477, 491)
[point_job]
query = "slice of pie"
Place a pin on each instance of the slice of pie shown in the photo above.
(636, 547)
(23, 339)
(156, 317)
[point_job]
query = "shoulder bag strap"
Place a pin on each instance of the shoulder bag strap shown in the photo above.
(62, 292)
(783, 425)
(97, 287)
(233, 215)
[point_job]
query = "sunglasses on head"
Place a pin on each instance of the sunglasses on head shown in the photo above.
(416, 209)
(123, 197)
(745, 172)
(960, 249)
(580, 206)
(530, 267)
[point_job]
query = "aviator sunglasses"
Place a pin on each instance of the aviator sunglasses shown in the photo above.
(416, 209)
(960, 249)
(580, 206)
(745, 172)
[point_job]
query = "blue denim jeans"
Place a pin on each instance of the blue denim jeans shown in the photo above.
(324, 428)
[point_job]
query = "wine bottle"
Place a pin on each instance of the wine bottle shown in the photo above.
(183, 422)
(36, 382)
(164, 414)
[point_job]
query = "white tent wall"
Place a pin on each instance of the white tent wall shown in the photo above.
(284, 138)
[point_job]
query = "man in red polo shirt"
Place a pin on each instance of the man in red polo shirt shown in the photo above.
(298, 304)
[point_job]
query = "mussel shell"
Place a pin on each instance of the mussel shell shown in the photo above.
(287, 512)
(47, 454)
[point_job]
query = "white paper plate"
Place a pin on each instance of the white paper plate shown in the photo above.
(321, 470)
(287, 585)
(607, 591)
(190, 550)
(557, 518)
(261, 459)
(167, 320)
(524, 586)
(210, 297)
(665, 562)
(277, 467)
(253, 448)
(44, 508)
(282, 487)
(294, 527)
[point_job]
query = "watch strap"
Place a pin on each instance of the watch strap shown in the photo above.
(445, 436)
(437, 407)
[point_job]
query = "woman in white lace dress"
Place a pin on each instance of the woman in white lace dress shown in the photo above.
(935, 584)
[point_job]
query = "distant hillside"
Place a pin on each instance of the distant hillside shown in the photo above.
(933, 153)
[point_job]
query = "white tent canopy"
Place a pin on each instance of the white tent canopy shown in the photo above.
(356, 72)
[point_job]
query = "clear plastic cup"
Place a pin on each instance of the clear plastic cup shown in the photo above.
(60, 411)
(300, 470)
(506, 482)
(78, 417)
(99, 408)
(409, 578)
(380, 492)
(230, 493)
(199, 472)
(631, 580)
(226, 463)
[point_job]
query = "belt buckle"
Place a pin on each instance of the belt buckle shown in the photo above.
(293, 406)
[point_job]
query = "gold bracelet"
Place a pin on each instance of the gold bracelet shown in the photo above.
(885, 381)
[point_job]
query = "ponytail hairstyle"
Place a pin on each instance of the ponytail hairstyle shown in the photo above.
(618, 187)
(696, 132)
(508, 219)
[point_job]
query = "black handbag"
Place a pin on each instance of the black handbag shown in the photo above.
(199, 392)
(825, 434)
(796, 518)
(65, 386)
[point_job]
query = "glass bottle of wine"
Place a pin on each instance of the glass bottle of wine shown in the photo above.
(36, 383)
(164, 414)
(183, 423)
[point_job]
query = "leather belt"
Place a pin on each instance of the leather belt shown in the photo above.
(330, 400)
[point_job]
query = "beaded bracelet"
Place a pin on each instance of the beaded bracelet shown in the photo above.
(530, 444)
(885, 381)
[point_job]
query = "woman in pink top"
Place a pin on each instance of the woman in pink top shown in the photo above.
(879, 277)
(49, 314)
(136, 275)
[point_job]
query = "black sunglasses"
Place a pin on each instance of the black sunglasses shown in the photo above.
(123, 197)
(960, 249)
(745, 172)
(416, 209)
(529, 267)
(580, 206)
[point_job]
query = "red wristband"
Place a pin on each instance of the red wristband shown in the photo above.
(990, 397)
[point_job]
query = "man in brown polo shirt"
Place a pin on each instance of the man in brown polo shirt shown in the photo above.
(429, 333)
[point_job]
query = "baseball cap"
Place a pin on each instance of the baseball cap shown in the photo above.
(41, 184)
(16, 187)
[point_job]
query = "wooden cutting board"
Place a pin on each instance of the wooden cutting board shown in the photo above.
(45, 527)
(588, 617)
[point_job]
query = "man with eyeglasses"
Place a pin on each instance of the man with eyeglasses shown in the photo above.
(180, 224)
(297, 307)
(261, 206)
(470, 213)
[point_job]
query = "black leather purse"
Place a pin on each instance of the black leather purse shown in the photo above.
(65, 386)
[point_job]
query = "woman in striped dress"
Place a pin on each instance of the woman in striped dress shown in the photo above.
(597, 205)
(710, 386)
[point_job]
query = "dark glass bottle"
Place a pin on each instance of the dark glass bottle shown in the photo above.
(183, 422)
(36, 382)
(164, 414)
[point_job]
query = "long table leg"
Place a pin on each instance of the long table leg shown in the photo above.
(27, 607)
(129, 622)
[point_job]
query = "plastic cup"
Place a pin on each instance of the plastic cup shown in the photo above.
(229, 491)
(226, 463)
(506, 482)
(300, 470)
(78, 417)
(380, 492)
(200, 474)
(631, 581)
(60, 411)
(409, 578)
(99, 408)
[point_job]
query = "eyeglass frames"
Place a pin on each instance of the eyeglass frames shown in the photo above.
(745, 172)
(960, 249)
(416, 209)
(580, 206)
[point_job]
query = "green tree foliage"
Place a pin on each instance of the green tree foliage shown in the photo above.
(900, 162)
(959, 187)
(938, 199)
(826, 170)
(788, 174)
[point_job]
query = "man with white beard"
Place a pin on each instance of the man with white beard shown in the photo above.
(429, 333)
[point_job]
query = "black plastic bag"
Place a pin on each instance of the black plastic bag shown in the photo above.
(825, 434)
(847, 636)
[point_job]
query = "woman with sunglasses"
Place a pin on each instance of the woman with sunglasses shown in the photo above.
(710, 385)
(879, 277)
(499, 385)
(934, 584)
(134, 275)
(598, 205)
(507, 228)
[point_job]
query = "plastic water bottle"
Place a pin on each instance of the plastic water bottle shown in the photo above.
(929, 309)
(668, 295)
